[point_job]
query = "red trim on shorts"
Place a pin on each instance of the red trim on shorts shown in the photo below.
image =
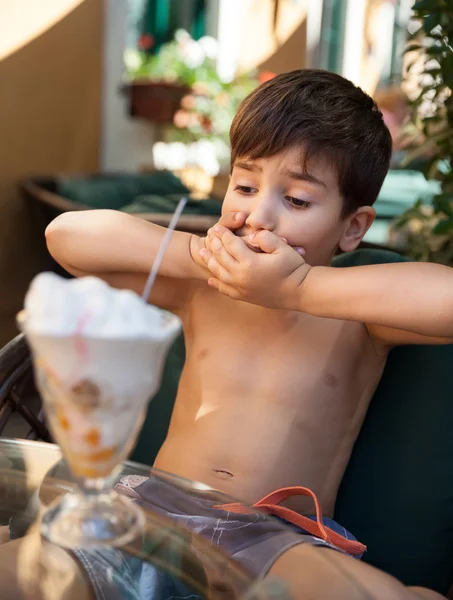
(271, 504)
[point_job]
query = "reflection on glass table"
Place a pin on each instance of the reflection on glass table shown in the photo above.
(164, 561)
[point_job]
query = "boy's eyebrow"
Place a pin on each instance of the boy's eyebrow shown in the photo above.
(304, 176)
(248, 166)
(298, 175)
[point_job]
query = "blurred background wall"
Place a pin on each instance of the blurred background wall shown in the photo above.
(51, 57)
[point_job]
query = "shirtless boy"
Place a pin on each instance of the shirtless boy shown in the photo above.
(275, 389)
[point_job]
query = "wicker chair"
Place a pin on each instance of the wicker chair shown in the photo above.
(18, 394)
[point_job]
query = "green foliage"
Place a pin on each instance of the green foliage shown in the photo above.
(182, 61)
(429, 229)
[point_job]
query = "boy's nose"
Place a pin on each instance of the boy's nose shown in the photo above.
(261, 217)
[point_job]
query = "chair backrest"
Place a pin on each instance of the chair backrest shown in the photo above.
(397, 492)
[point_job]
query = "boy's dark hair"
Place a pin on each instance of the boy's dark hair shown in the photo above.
(324, 114)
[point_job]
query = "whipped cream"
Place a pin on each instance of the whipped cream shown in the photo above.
(89, 307)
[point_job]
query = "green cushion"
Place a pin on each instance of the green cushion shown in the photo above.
(367, 257)
(117, 191)
(168, 204)
(397, 493)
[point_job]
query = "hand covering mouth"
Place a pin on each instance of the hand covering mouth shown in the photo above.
(254, 248)
(258, 250)
(249, 245)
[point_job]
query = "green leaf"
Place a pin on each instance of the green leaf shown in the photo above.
(436, 49)
(444, 203)
(423, 5)
(443, 227)
(430, 22)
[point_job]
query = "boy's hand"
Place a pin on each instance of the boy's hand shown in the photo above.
(231, 221)
(270, 278)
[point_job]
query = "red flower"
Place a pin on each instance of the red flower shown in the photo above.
(145, 42)
(266, 76)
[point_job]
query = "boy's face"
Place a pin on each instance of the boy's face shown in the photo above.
(276, 195)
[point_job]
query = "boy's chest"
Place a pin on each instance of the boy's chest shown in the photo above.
(252, 348)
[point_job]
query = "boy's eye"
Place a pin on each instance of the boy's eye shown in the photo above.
(244, 189)
(297, 202)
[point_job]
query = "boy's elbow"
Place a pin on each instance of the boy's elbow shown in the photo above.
(59, 232)
(64, 234)
(54, 232)
(80, 241)
(56, 226)
(72, 222)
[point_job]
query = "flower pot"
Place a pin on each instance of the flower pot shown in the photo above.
(155, 101)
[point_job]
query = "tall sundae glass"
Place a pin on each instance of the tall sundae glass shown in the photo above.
(98, 355)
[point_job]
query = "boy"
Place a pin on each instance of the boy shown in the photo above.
(273, 398)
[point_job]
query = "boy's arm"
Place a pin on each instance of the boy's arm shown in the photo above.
(400, 303)
(120, 249)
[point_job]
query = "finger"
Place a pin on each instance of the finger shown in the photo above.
(216, 246)
(267, 241)
(222, 255)
(298, 249)
(208, 241)
(235, 246)
(215, 267)
(232, 220)
(205, 255)
(224, 288)
(217, 231)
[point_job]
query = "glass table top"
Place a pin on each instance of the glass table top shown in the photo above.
(174, 562)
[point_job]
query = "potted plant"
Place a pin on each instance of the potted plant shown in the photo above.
(157, 82)
(155, 101)
(428, 228)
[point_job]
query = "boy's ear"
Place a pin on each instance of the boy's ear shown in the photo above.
(357, 225)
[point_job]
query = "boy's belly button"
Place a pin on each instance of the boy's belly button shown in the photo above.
(223, 474)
